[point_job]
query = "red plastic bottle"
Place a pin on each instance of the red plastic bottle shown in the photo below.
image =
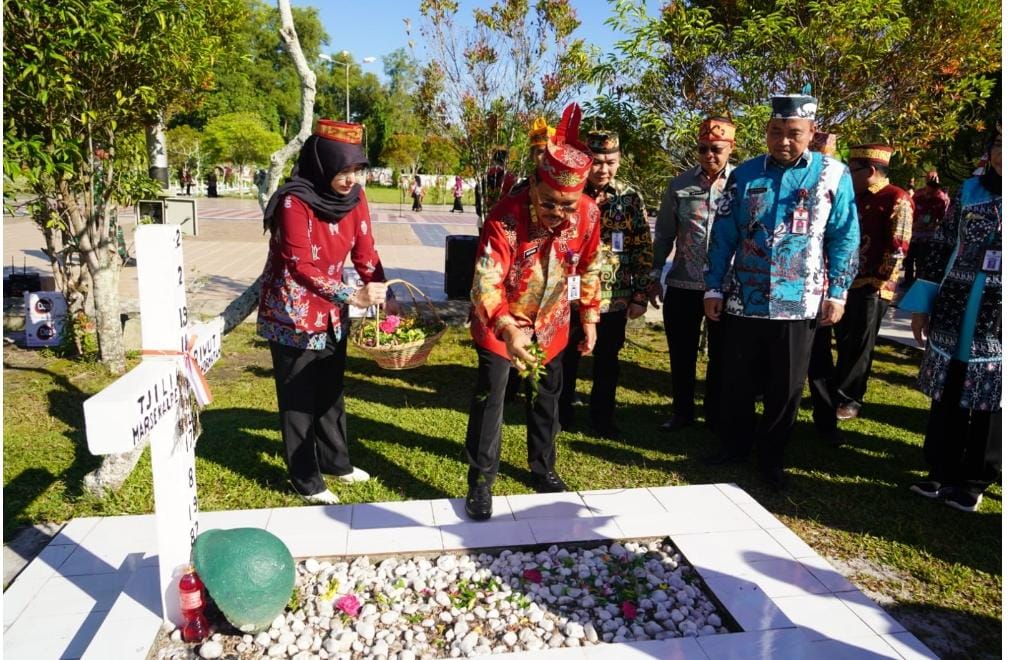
(196, 628)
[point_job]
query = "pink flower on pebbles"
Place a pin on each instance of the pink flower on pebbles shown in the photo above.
(349, 605)
(629, 609)
(532, 575)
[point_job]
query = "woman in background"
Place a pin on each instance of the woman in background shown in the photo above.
(956, 304)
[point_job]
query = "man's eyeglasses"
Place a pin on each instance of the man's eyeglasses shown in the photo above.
(705, 148)
(565, 208)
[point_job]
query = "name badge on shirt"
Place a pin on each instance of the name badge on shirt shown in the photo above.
(992, 261)
(574, 287)
(617, 241)
(800, 221)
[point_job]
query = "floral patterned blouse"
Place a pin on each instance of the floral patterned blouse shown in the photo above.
(522, 270)
(625, 248)
(303, 285)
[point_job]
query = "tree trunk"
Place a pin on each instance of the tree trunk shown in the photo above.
(157, 154)
(110, 328)
(241, 307)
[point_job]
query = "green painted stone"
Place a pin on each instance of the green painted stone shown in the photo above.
(248, 572)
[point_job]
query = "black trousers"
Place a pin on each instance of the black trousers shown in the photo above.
(457, 205)
(486, 414)
(768, 354)
(682, 315)
(416, 203)
(856, 338)
(611, 332)
(962, 447)
(915, 260)
(313, 422)
(821, 381)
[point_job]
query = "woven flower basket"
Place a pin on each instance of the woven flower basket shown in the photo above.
(399, 356)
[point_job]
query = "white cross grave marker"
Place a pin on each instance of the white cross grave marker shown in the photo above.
(146, 402)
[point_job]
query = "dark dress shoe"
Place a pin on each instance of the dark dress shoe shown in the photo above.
(723, 457)
(479, 504)
(548, 483)
(848, 411)
(675, 423)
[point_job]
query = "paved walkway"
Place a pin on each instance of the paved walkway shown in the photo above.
(229, 252)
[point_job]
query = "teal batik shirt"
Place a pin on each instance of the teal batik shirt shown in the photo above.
(782, 270)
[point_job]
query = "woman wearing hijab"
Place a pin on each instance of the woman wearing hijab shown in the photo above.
(457, 194)
(318, 217)
(956, 303)
(417, 192)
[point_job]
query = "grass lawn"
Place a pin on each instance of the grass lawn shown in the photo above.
(935, 569)
(391, 195)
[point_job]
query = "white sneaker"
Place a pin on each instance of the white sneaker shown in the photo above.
(358, 475)
(325, 497)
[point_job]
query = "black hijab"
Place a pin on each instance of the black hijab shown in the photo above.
(319, 161)
(990, 179)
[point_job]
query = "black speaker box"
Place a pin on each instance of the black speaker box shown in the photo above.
(460, 260)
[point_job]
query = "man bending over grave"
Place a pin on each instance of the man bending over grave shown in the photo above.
(315, 219)
(537, 254)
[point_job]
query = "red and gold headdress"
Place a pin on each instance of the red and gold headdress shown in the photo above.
(878, 154)
(565, 165)
(717, 129)
(339, 131)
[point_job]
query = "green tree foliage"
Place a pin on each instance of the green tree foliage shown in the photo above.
(184, 149)
(517, 61)
(258, 76)
(240, 138)
(402, 152)
(367, 97)
(907, 72)
(81, 80)
(439, 157)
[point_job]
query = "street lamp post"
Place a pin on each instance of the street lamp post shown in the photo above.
(346, 74)
(346, 80)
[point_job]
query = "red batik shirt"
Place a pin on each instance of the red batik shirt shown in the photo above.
(522, 269)
(884, 217)
(303, 284)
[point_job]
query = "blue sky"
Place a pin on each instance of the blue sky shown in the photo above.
(375, 28)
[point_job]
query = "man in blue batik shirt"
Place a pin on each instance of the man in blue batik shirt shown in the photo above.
(788, 225)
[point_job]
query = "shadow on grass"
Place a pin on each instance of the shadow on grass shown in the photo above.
(66, 403)
(951, 634)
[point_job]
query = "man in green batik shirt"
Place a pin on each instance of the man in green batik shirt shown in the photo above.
(625, 255)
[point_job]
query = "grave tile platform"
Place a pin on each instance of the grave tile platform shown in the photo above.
(94, 591)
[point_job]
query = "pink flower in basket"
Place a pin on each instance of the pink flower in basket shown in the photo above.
(389, 324)
(349, 604)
